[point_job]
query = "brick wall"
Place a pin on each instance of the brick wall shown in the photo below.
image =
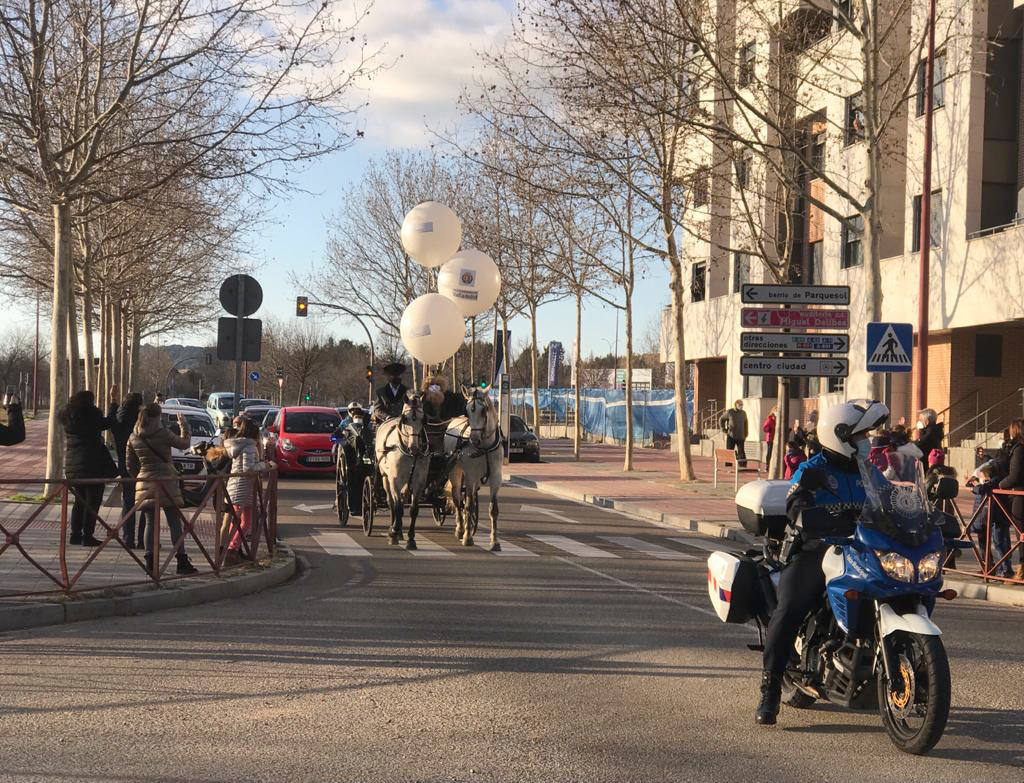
(990, 390)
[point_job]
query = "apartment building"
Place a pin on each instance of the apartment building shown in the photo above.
(976, 340)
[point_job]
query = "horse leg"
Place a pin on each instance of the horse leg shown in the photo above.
(392, 534)
(495, 544)
(414, 510)
(460, 519)
(468, 497)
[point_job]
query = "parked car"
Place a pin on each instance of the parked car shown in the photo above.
(257, 413)
(249, 401)
(300, 439)
(203, 430)
(189, 402)
(521, 441)
(267, 430)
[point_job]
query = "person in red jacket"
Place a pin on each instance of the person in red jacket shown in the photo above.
(768, 428)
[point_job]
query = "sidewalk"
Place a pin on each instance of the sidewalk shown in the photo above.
(28, 458)
(653, 491)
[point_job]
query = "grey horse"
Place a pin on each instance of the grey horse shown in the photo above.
(475, 440)
(402, 459)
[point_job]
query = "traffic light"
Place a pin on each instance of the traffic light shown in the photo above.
(302, 306)
(309, 396)
(369, 373)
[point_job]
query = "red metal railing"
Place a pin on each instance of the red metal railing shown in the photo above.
(998, 502)
(42, 541)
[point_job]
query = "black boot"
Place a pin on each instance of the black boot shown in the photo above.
(185, 565)
(149, 563)
(771, 698)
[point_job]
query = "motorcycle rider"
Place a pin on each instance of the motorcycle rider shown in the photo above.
(831, 479)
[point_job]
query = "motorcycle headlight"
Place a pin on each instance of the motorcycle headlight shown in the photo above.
(928, 567)
(287, 445)
(896, 566)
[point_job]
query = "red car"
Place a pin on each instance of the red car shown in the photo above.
(300, 437)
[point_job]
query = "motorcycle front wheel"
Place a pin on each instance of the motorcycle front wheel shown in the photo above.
(915, 704)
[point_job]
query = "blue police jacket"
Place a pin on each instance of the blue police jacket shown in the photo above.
(845, 491)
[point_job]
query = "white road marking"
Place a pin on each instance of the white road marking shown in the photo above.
(576, 548)
(311, 509)
(513, 550)
(428, 548)
(707, 546)
(549, 512)
(648, 548)
(334, 542)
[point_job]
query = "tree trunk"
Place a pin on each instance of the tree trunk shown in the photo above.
(533, 367)
(136, 339)
(628, 463)
(871, 240)
(679, 371)
(91, 380)
(579, 372)
(103, 381)
(58, 342)
(118, 345)
(75, 383)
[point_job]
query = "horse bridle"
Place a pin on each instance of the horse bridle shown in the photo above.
(497, 430)
(421, 437)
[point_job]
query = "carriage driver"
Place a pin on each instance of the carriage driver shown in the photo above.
(391, 396)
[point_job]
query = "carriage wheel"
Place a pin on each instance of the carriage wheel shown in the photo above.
(368, 505)
(341, 489)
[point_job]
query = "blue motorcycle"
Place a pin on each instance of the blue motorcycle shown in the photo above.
(872, 644)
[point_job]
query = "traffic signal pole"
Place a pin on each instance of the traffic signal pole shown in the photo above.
(369, 337)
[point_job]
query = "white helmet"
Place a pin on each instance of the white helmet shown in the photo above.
(354, 406)
(840, 427)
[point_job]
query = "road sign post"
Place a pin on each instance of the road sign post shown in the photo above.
(241, 296)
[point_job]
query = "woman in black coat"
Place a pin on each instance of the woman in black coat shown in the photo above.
(1015, 480)
(86, 457)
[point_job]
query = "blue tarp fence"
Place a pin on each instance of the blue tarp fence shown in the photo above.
(603, 411)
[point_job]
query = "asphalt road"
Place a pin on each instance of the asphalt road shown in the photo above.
(589, 657)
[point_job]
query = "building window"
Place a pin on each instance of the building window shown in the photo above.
(854, 130)
(815, 268)
(988, 355)
(699, 281)
(700, 187)
(817, 156)
(934, 222)
(836, 385)
(745, 65)
(740, 271)
(939, 82)
(743, 169)
(853, 235)
(842, 9)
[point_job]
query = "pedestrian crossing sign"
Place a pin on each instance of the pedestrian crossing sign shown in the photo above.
(890, 347)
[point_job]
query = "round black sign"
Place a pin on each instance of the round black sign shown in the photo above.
(252, 295)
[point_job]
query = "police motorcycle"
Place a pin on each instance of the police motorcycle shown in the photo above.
(872, 644)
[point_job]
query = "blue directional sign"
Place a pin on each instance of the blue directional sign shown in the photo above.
(254, 376)
(890, 347)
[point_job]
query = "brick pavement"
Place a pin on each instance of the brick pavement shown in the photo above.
(27, 459)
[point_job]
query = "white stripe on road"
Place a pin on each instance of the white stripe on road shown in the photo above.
(334, 542)
(660, 552)
(707, 546)
(428, 548)
(513, 550)
(541, 510)
(576, 548)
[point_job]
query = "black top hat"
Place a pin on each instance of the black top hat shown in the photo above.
(395, 368)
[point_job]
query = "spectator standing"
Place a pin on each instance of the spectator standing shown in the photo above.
(14, 432)
(242, 489)
(797, 433)
(930, 434)
(1015, 480)
(149, 460)
(768, 428)
(794, 457)
(992, 528)
(121, 428)
(86, 457)
(734, 424)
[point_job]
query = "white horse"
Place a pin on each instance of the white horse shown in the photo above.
(475, 439)
(403, 459)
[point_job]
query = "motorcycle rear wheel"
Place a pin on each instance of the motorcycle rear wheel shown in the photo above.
(914, 709)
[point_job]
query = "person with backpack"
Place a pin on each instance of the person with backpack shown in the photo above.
(245, 458)
(149, 460)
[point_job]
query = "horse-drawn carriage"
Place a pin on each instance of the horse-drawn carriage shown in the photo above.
(408, 460)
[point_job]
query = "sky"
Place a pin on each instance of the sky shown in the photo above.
(432, 45)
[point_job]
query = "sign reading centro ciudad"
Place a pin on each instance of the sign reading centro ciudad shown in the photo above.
(790, 352)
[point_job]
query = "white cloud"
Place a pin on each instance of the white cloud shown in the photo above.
(434, 46)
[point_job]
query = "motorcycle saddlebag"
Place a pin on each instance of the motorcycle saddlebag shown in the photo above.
(733, 587)
(761, 507)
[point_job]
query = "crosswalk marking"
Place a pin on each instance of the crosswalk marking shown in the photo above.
(334, 542)
(707, 546)
(576, 548)
(509, 549)
(428, 548)
(660, 552)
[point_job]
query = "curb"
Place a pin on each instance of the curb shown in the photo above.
(1004, 595)
(175, 596)
(682, 522)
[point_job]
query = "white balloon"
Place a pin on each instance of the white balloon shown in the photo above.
(471, 280)
(432, 328)
(431, 233)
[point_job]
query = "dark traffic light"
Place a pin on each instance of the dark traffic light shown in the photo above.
(302, 306)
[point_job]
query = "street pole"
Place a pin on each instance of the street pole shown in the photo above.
(921, 381)
(369, 337)
(239, 325)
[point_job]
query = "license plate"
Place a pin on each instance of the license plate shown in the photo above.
(515, 449)
(323, 458)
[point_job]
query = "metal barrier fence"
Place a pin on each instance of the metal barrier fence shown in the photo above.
(984, 523)
(38, 532)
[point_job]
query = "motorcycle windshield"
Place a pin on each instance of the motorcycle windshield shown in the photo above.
(900, 509)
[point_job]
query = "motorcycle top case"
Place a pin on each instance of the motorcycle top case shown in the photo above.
(761, 507)
(732, 587)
